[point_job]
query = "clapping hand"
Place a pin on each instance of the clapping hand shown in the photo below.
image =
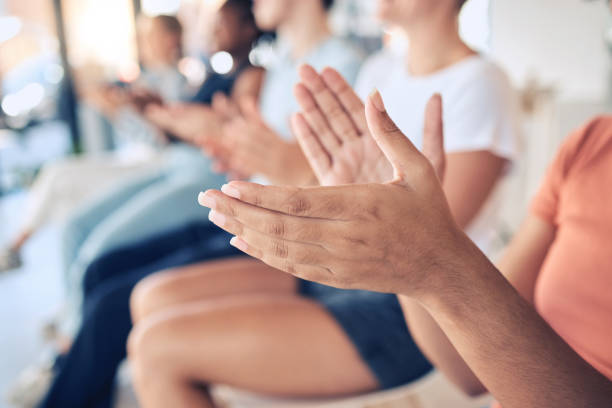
(388, 237)
(248, 146)
(333, 132)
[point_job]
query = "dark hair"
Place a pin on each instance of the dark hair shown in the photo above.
(173, 26)
(244, 8)
(327, 4)
(461, 3)
(170, 24)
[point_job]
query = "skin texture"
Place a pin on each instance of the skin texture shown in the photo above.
(248, 146)
(333, 133)
(513, 352)
(243, 325)
(520, 264)
(329, 228)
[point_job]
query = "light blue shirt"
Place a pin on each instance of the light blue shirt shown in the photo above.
(277, 102)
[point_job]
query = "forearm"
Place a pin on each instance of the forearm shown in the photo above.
(515, 354)
(437, 348)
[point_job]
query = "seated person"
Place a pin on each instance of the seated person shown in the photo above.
(124, 214)
(534, 333)
(145, 204)
(63, 186)
(86, 374)
(185, 319)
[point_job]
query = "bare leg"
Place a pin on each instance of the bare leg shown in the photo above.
(274, 344)
(241, 275)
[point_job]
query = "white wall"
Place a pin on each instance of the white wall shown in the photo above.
(561, 41)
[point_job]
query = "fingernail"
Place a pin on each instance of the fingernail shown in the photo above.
(206, 201)
(216, 218)
(230, 191)
(240, 244)
(377, 100)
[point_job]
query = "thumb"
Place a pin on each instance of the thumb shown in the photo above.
(433, 135)
(406, 159)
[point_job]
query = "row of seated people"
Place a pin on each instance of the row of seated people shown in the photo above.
(382, 227)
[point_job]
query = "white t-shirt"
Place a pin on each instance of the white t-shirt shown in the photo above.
(480, 113)
(277, 102)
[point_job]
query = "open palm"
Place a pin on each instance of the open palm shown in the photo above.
(334, 135)
(333, 132)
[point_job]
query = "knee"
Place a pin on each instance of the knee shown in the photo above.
(148, 295)
(147, 345)
(140, 346)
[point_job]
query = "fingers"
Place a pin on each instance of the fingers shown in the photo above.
(309, 272)
(349, 100)
(316, 119)
(239, 218)
(338, 119)
(297, 252)
(316, 202)
(401, 153)
(317, 156)
(433, 135)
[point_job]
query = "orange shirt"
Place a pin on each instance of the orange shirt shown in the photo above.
(573, 292)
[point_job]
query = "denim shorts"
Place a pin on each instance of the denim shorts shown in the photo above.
(375, 324)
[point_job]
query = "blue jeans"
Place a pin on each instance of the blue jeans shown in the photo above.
(134, 211)
(85, 376)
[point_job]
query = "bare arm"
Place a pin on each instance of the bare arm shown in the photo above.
(470, 177)
(515, 353)
(520, 264)
(405, 232)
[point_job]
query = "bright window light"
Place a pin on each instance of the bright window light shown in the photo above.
(475, 24)
(222, 62)
(54, 73)
(193, 69)
(23, 100)
(9, 27)
(157, 7)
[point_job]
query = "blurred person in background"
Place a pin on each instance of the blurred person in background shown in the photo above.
(136, 207)
(86, 373)
(63, 186)
(242, 323)
(124, 215)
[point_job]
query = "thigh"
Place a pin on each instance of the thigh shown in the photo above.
(213, 279)
(87, 217)
(280, 345)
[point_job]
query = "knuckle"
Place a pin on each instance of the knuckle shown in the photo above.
(232, 210)
(297, 204)
(280, 250)
(276, 228)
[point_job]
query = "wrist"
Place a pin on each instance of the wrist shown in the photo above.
(456, 275)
